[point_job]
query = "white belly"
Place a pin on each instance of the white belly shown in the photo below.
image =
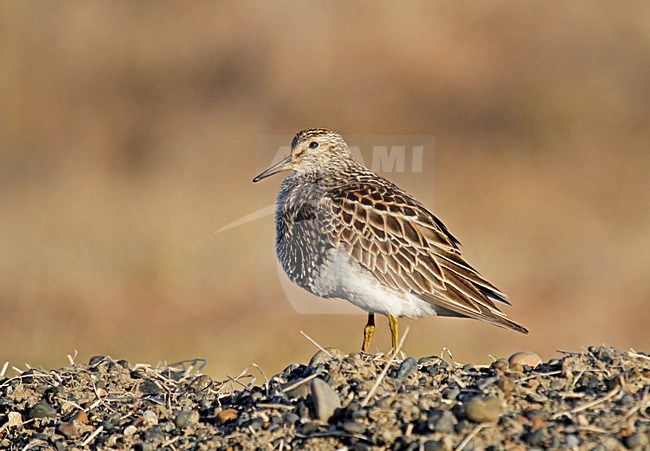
(345, 279)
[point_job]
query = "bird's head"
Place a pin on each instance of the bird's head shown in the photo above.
(312, 150)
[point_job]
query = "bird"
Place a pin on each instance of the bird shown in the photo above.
(343, 231)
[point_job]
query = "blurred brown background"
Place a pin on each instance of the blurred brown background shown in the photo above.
(128, 134)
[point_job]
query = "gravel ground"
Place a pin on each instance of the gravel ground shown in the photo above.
(598, 399)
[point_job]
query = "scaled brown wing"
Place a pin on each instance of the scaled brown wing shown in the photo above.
(406, 247)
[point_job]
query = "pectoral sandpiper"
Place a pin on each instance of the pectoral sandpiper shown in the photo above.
(345, 232)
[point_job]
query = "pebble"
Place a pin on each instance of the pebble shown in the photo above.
(96, 360)
(500, 364)
(572, 441)
(505, 384)
(256, 424)
(536, 438)
(149, 387)
(321, 358)
(14, 419)
(406, 367)
(290, 418)
(526, 358)
(325, 399)
(485, 383)
(42, 410)
(535, 414)
(445, 423)
(636, 441)
(533, 384)
(434, 445)
(226, 415)
(450, 393)
(299, 391)
(308, 428)
(201, 383)
(186, 418)
(80, 416)
(150, 417)
(354, 427)
(68, 429)
(481, 410)
(130, 430)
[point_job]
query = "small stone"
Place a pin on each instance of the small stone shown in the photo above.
(533, 384)
(450, 393)
(322, 358)
(226, 415)
(481, 410)
(186, 418)
(80, 416)
(525, 358)
(572, 441)
(150, 417)
(505, 384)
(69, 430)
(500, 364)
(201, 383)
(483, 384)
(536, 424)
(42, 410)
(535, 438)
(308, 428)
(154, 435)
(130, 430)
(434, 445)
(468, 368)
(326, 401)
(14, 419)
(149, 387)
(407, 367)
(145, 447)
(256, 424)
(515, 368)
(354, 427)
(636, 441)
(445, 422)
(296, 391)
(96, 360)
(517, 447)
(290, 418)
(138, 421)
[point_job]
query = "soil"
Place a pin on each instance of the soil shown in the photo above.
(598, 399)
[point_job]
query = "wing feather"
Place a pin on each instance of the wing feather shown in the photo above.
(407, 248)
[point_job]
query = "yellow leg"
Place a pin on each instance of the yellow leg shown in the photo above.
(368, 333)
(394, 334)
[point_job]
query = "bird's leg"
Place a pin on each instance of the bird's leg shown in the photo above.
(392, 323)
(368, 333)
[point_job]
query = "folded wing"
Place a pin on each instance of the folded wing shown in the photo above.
(407, 248)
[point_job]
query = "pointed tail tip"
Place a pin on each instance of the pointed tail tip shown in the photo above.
(519, 328)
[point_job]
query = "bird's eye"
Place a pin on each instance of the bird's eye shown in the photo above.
(313, 145)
